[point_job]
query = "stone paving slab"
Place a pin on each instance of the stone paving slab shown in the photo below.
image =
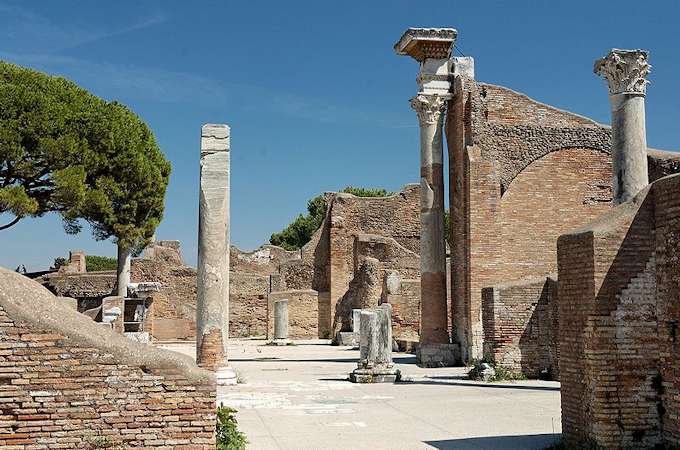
(298, 397)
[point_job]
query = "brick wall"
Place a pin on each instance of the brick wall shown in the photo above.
(396, 216)
(405, 309)
(520, 326)
(303, 313)
(65, 381)
(609, 342)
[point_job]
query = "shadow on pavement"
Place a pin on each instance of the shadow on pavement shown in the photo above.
(526, 442)
(458, 381)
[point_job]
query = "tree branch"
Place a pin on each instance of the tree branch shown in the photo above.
(12, 223)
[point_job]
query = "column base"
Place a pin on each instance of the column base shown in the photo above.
(280, 342)
(375, 375)
(437, 355)
(226, 376)
(347, 338)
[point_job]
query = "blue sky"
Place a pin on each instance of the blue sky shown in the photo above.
(313, 92)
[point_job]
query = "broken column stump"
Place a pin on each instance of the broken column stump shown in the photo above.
(375, 348)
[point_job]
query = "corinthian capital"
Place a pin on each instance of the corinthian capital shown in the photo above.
(625, 71)
(428, 107)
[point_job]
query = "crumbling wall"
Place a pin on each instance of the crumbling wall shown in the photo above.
(520, 326)
(404, 296)
(303, 313)
(67, 381)
(522, 173)
(609, 326)
(396, 216)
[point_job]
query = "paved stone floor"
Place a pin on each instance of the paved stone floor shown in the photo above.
(297, 397)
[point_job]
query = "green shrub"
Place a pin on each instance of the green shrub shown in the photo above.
(228, 436)
(501, 373)
(96, 263)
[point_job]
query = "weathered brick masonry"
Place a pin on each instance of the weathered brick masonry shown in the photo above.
(619, 293)
(520, 326)
(522, 173)
(66, 381)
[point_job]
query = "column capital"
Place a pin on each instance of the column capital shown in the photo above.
(625, 71)
(428, 107)
(424, 43)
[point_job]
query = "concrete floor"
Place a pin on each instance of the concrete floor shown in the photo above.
(297, 397)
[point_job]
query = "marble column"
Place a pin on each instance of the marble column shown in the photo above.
(212, 307)
(123, 271)
(281, 322)
(432, 48)
(625, 72)
(433, 310)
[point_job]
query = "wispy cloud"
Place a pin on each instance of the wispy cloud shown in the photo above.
(30, 39)
(28, 30)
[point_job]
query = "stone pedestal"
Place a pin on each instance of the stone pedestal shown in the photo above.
(375, 348)
(438, 355)
(281, 323)
(625, 72)
(431, 47)
(212, 306)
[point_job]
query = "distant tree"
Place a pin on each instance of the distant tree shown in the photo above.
(300, 231)
(58, 262)
(96, 263)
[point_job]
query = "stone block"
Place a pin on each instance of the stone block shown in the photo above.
(438, 355)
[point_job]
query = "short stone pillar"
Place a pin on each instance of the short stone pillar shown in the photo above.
(375, 348)
(281, 322)
(625, 72)
(431, 47)
(212, 306)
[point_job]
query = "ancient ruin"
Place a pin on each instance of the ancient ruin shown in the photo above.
(375, 347)
(559, 265)
(432, 49)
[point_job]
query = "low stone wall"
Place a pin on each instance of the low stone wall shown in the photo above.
(66, 381)
(520, 326)
(303, 313)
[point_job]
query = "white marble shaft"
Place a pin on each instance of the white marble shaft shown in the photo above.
(432, 48)
(625, 72)
(375, 345)
(281, 319)
(212, 309)
(356, 321)
(123, 271)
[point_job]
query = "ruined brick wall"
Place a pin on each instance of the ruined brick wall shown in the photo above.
(303, 314)
(556, 193)
(396, 216)
(609, 346)
(521, 173)
(405, 301)
(66, 381)
(516, 166)
(248, 304)
(265, 260)
(520, 326)
(667, 259)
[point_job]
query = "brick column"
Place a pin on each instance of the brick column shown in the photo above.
(625, 72)
(212, 307)
(431, 47)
